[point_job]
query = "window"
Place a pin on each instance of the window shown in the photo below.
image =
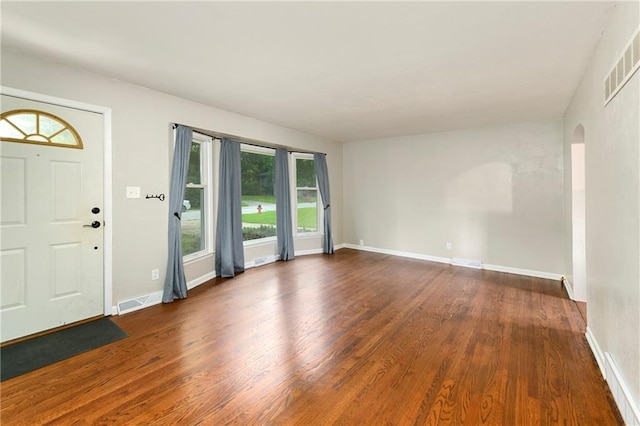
(195, 220)
(38, 127)
(258, 198)
(306, 210)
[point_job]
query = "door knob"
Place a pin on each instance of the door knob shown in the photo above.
(94, 224)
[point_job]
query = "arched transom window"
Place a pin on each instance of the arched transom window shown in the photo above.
(38, 127)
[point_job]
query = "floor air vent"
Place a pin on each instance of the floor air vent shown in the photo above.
(626, 65)
(139, 303)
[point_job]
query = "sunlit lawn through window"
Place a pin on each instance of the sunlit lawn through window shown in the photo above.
(307, 218)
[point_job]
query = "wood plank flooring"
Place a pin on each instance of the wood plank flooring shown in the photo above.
(354, 338)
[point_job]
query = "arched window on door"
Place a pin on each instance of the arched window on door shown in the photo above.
(38, 127)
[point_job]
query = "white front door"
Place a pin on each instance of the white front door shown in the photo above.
(51, 222)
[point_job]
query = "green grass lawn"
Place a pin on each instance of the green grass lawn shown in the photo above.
(307, 218)
(266, 218)
(270, 199)
(191, 243)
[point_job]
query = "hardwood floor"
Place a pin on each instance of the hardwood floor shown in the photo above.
(582, 308)
(354, 339)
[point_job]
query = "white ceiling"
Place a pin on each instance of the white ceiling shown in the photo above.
(345, 71)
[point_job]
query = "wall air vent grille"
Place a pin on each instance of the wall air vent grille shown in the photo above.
(626, 65)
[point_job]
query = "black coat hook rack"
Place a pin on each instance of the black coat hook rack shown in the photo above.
(159, 197)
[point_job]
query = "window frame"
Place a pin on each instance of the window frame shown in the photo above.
(293, 172)
(206, 174)
(254, 149)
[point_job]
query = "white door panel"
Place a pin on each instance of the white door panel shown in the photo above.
(51, 263)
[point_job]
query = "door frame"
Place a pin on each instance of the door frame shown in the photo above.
(107, 273)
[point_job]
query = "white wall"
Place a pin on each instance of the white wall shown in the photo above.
(495, 193)
(142, 147)
(612, 144)
(578, 278)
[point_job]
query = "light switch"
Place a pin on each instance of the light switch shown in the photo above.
(133, 192)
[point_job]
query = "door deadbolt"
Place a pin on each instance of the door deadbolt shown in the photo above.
(95, 210)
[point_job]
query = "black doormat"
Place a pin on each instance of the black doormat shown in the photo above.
(39, 352)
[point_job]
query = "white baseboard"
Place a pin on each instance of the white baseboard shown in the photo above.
(155, 298)
(628, 408)
(201, 280)
(400, 253)
(307, 252)
(526, 272)
(467, 263)
(317, 250)
(141, 302)
(626, 405)
(460, 262)
(259, 261)
(297, 253)
(567, 286)
(597, 352)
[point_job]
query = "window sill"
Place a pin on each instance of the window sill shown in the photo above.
(260, 242)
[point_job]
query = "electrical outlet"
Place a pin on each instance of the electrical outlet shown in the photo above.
(448, 245)
(361, 242)
(155, 274)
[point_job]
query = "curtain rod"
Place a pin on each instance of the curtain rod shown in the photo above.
(220, 136)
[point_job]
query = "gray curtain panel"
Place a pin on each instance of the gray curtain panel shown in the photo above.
(322, 174)
(284, 222)
(229, 247)
(175, 283)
